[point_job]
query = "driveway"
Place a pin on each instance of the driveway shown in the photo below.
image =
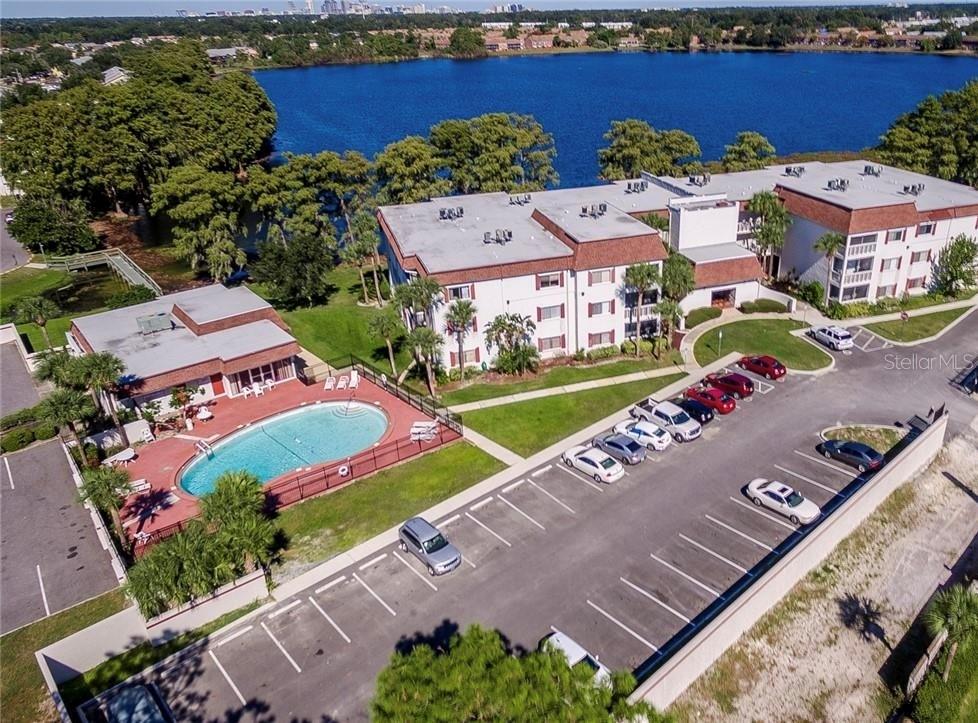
(17, 391)
(622, 569)
(12, 254)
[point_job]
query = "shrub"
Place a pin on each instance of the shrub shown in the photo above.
(703, 314)
(18, 418)
(602, 352)
(16, 438)
(886, 305)
(762, 306)
(44, 431)
(644, 347)
(812, 293)
(132, 295)
(835, 310)
(939, 702)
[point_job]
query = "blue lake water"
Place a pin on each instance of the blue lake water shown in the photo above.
(302, 438)
(800, 101)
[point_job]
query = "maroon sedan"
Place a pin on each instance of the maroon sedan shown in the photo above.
(736, 385)
(715, 399)
(765, 366)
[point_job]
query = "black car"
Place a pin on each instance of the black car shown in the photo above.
(697, 410)
(856, 454)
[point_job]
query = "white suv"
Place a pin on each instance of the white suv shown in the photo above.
(834, 337)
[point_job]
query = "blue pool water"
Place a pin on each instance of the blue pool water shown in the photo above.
(300, 438)
(800, 101)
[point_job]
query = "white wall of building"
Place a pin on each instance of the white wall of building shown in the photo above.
(702, 221)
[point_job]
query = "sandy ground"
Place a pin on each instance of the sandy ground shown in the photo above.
(823, 653)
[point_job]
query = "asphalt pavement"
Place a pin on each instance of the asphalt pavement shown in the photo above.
(12, 254)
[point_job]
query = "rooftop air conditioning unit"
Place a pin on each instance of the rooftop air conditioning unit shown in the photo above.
(459, 211)
(584, 210)
(442, 213)
(487, 237)
(602, 208)
(509, 234)
(644, 185)
(906, 189)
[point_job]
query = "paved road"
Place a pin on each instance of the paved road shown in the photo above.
(12, 254)
(17, 391)
(50, 556)
(620, 568)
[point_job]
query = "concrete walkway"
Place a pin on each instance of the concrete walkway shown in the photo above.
(567, 389)
(488, 446)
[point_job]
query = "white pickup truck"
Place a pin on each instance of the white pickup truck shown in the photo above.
(670, 417)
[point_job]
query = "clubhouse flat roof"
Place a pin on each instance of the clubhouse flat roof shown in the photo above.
(864, 191)
(174, 347)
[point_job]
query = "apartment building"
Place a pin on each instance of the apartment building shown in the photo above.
(895, 222)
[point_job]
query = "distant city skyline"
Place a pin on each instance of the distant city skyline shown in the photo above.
(146, 8)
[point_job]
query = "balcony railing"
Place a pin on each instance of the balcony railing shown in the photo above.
(852, 277)
(862, 250)
(648, 312)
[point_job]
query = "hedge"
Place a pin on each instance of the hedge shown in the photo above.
(697, 316)
(644, 347)
(20, 417)
(762, 306)
(603, 352)
(16, 439)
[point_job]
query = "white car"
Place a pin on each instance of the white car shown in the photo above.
(649, 435)
(596, 464)
(834, 337)
(783, 499)
(576, 655)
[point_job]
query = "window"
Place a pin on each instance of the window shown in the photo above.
(886, 291)
(917, 256)
(549, 281)
(895, 237)
(550, 312)
(460, 292)
(855, 292)
(604, 276)
(854, 265)
(866, 238)
(471, 356)
(601, 307)
(549, 343)
(917, 283)
(601, 338)
(890, 264)
(927, 229)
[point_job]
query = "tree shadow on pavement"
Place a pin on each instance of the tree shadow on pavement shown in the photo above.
(963, 486)
(864, 616)
(438, 639)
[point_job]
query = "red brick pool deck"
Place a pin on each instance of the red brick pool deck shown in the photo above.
(157, 512)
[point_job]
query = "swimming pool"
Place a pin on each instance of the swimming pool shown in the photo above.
(299, 438)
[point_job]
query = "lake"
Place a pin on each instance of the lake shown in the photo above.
(800, 101)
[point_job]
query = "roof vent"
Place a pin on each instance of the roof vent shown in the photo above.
(153, 323)
(796, 171)
(870, 170)
(916, 189)
(838, 184)
(450, 214)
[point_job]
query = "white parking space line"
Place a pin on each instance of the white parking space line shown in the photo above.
(227, 678)
(738, 532)
(762, 513)
(483, 503)
(44, 595)
(375, 596)
(425, 580)
(10, 477)
(542, 470)
(330, 584)
(807, 479)
(714, 593)
(517, 509)
(470, 563)
(624, 627)
(654, 599)
(487, 529)
(282, 648)
(235, 634)
(574, 474)
(330, 620)
(513, 486)
(450, 520)
(285, 609)
(372, 561)
(843, 470)
(712, 553)
(551, 497)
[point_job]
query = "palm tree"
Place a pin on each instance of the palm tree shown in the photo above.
(63, 408)
(364, 227)
(669, 312)
(101, 372)
(829, 244)
(641, 277)
(58, 366)
(37, 310)
(459, 318)
(105, 487)
(428, 343)
(511, 334)
(356, 252)
(250, 537)
(387, 324)
(236, 495)
(418, 294)
(954, 609)
(774, 223)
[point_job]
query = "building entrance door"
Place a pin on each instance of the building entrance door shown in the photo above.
(724, 298)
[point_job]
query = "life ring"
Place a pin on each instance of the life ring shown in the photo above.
(344, 471)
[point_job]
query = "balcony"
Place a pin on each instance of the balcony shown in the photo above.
(747, 226)
(648, 312)
(861, 250)
(852, 277)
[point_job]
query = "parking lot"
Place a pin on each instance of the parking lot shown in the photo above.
(620, 568)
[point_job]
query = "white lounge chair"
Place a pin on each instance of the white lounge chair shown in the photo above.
(354, 379)
(148, 435)
(423, 435)
(257, 389)
(138, 485)
(423, 426)
(330, 384)
(342, 383)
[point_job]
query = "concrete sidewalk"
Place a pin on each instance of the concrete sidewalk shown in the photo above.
(567, 389)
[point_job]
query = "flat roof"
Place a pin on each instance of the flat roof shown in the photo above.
(176, 346)
(865, 190)
(716, 252)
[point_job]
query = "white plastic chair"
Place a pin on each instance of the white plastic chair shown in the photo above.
(330, 384)
(246, 392)
(148, 435)
(257, 389)
(343, 382)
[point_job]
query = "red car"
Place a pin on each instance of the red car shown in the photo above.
(765, 366)
(736, 385)
(719, 401)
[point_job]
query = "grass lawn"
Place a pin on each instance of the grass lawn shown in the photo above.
(558, 377)
(23, 282)
(762, 336)
(325, 526)
(338, 328)
(916, 327)
(957, 700)
(882, 439)
(117, 669)
(22, 690)
(528, 427)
